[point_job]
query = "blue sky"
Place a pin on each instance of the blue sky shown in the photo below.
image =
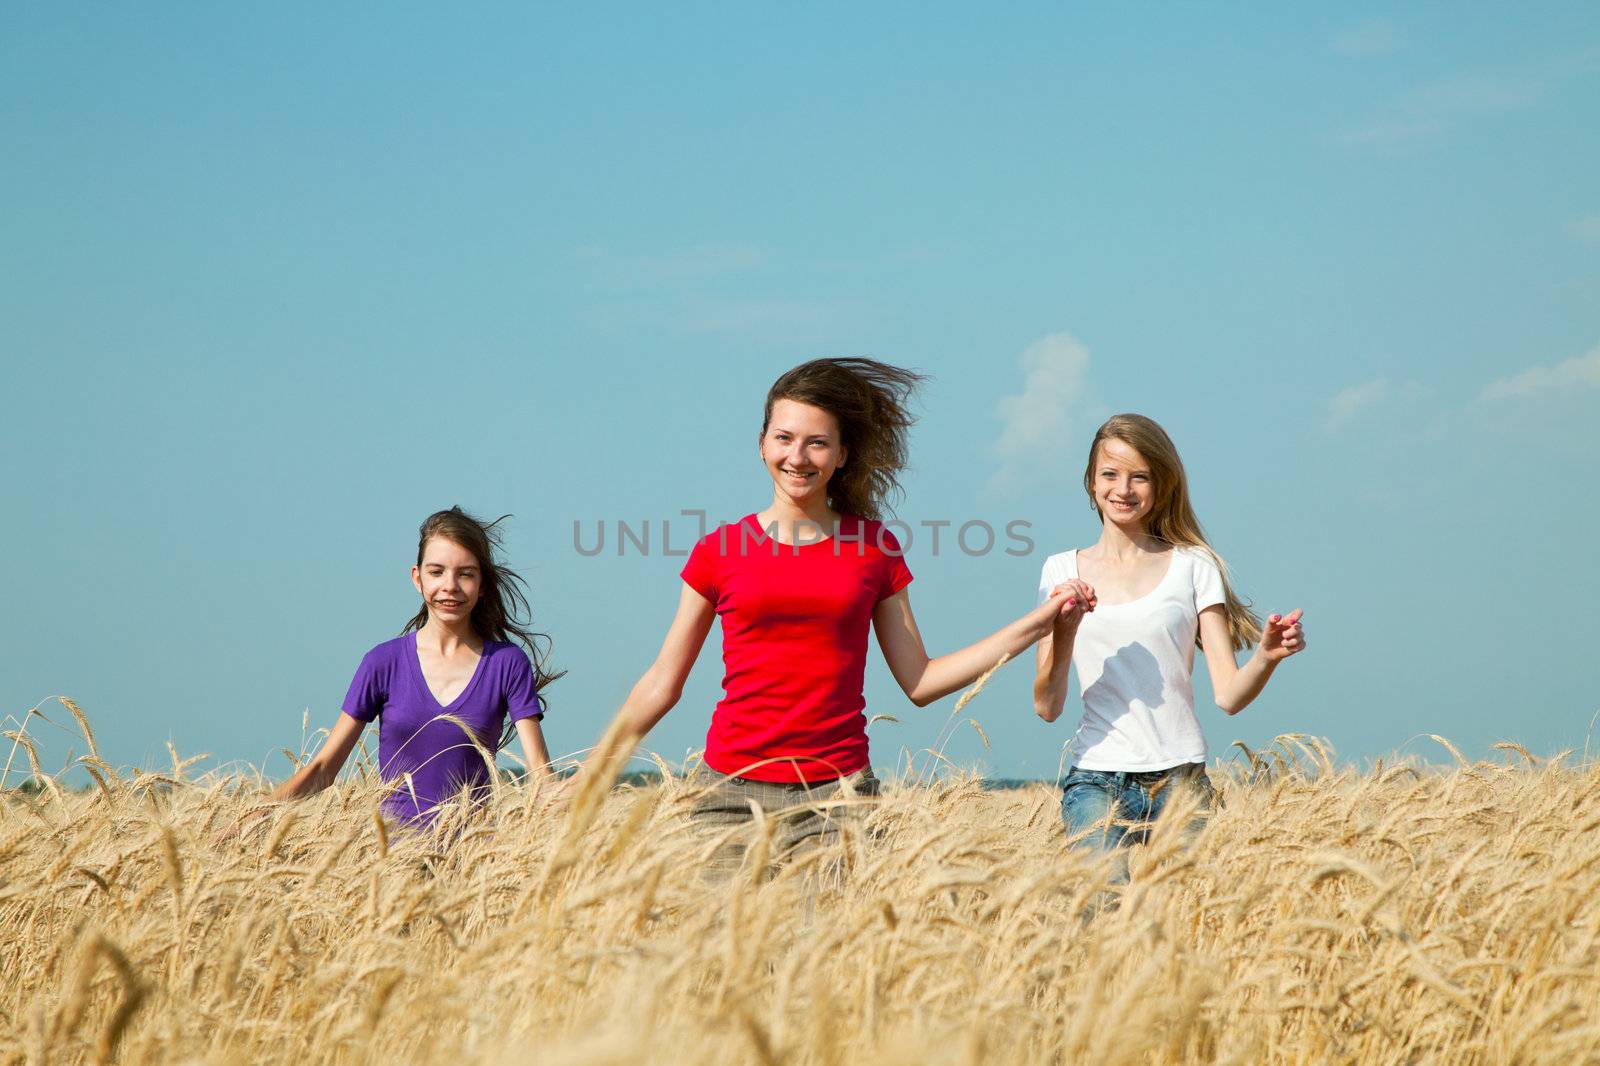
(278, 283)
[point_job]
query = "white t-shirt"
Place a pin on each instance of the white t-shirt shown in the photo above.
(1135, 663)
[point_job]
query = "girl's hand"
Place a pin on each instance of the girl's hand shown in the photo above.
(1065, 606)
(558, 790)
(1080, 601)
(1282, 636)
(239, 826)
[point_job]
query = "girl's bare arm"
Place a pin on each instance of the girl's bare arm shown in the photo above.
(924, 679)
(320, 772)
(658, 691)
(1234, 686)
(531, 735)
(1055, 652)
(1051, 675)
(313, 777)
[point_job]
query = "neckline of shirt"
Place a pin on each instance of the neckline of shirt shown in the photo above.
(1172, 564)
(848, 524)
(422, 678)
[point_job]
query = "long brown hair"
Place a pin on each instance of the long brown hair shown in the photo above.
(871, 401)
(502, 612)
(1172, 518)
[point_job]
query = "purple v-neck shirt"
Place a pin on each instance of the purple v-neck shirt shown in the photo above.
(414, 739)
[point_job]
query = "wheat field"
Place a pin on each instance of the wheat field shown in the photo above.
(1400, 914)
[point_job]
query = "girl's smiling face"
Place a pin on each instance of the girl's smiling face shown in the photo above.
(450, 580)
(801, 449)
(1123, 488)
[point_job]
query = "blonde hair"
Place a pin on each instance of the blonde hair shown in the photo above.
(1172, 517)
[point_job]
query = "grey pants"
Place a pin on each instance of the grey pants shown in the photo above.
(799, 816)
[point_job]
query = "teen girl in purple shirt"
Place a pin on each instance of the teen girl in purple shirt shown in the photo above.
(455, 667)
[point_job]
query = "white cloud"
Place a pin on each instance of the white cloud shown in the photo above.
(705, 260)
(1044, 426)
(1474, 95)
(674, 267)
(1437, 109)
(1369, 38)
(1586, 228)
(1578, 373)
(1386, 132)
(1432, 111)
(1348, 402)
(685, 289)
(818, 324)
(763, 317)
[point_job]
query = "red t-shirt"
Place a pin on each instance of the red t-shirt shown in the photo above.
(794, 645)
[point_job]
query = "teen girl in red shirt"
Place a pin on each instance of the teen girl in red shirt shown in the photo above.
(797, 586)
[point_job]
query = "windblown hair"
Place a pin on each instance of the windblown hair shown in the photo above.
(502, 612)
(871, 401)
(1172, 518)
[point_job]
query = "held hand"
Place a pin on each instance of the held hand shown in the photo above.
(558, 790)
(239, 826)
(1081, 599)
(1069, 602)
(1282, 636)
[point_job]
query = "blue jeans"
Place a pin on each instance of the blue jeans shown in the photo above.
(1110, 810)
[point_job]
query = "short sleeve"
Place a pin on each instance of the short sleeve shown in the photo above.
(700, 572)
(1045, 584)
(369, 689)
(522, 695)
(896, 575)
(1051, 574)
(1208, 590)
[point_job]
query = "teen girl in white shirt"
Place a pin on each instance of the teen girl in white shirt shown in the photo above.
(1147, 594)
